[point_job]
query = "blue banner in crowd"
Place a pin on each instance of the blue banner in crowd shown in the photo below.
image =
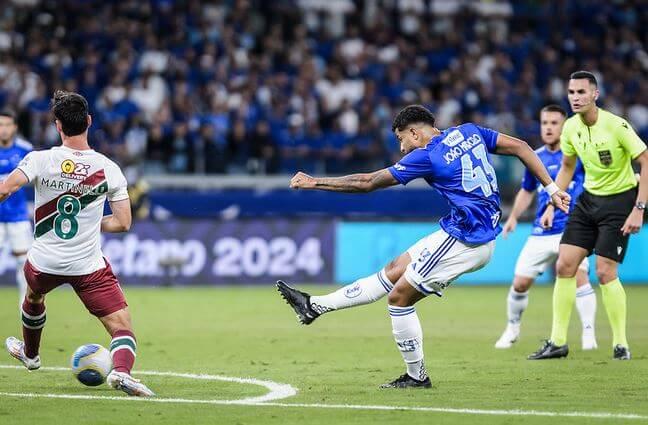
(364, 248)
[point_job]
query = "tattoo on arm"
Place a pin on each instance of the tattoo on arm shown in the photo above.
(357, 183)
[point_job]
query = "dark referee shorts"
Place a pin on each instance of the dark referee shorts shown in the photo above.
(596, 222)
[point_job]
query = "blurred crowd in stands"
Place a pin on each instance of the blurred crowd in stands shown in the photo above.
(255, 86)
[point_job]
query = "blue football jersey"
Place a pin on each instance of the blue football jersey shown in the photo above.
(457, 165)
(15, 207)
(552, 161)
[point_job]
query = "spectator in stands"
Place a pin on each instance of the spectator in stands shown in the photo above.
(192, 84)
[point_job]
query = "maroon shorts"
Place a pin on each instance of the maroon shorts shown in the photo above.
(99, 291)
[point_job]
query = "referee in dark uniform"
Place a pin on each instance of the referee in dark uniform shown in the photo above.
(610, 209)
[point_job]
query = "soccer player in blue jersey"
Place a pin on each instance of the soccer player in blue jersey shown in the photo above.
(15, 226)
(541, 249)
(456, 163)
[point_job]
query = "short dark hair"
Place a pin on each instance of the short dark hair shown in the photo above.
(554, 108)
(9, 113)
(412, 114)
(580, 75)
(71, 109)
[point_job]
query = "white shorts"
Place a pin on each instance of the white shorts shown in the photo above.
(438, 259)
(19, 235)
(540, 252)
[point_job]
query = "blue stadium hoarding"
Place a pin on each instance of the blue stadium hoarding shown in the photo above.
(362, 248)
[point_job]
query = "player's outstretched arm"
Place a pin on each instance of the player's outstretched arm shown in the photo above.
(120, 220)
(507, 145)
(354, 183)
(12, 183)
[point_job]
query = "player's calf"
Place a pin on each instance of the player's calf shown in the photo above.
(33, 322)
(123, 349)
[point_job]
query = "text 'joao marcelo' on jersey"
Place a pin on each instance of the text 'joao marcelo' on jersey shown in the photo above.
(457, 165)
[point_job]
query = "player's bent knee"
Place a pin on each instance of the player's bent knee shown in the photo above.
(404, 295)
(398, 298)
(566, 268)
(33, 297)
(395, 268)
(606, 274)
(606, 270)
(522, 284)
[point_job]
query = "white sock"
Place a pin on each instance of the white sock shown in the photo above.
(362, 291)
(408, 334)
(586, 306)
(21, 281)
(517, 302)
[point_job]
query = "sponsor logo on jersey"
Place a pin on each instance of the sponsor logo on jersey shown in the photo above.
(605, 157)
(400, 167)
(74, 170)
(453, 138)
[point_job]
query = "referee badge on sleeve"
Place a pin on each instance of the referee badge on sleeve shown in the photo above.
(605, 157)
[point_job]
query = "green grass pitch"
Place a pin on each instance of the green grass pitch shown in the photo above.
(339, 360)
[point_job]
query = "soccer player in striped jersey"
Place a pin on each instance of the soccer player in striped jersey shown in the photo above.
(456, 163)
(72, 182)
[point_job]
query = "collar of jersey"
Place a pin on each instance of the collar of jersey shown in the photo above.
(75, 150)
(598, 118)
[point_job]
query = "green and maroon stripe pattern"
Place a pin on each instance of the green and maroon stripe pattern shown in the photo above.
(45, 215)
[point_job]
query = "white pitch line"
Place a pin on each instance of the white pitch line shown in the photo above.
(277, 391)
(584, 415)
(285, 389)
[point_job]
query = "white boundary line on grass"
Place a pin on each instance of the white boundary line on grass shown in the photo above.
(279, 391)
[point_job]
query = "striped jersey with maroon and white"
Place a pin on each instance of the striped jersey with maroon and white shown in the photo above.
(71, 187)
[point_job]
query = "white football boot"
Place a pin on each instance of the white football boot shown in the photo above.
(126, 383)
(509, 337)
(16, 348)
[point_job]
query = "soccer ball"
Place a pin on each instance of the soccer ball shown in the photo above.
(91, 363)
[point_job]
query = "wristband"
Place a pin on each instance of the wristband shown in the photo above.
(552, 188)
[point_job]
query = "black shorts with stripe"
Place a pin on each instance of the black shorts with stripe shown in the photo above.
(596, 221)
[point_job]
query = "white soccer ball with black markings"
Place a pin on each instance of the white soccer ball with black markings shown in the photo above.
(91, 364)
